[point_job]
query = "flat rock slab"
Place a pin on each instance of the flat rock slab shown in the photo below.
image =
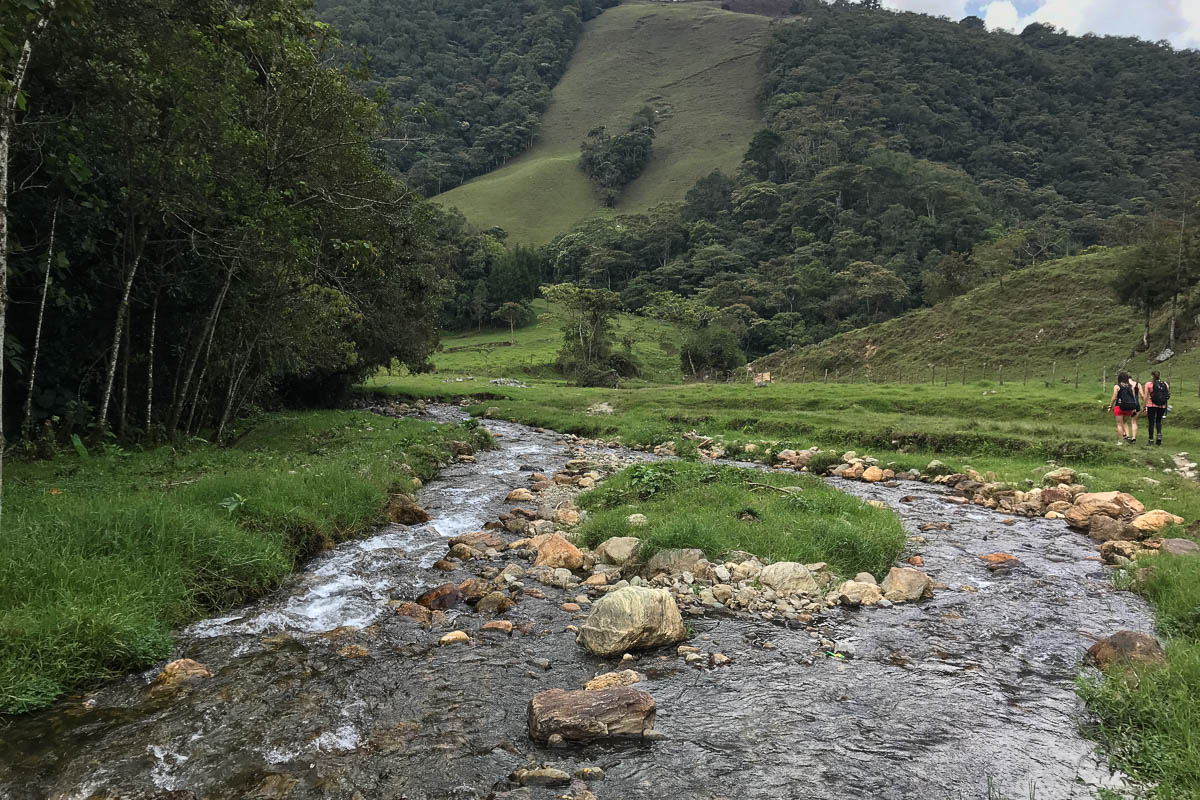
(584, 715)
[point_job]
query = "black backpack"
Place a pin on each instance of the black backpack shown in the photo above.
(1126, 399)
(1160, 393)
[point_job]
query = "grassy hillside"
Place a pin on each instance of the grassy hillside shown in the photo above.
(1048, 321)
(697, 65)
(531, 351)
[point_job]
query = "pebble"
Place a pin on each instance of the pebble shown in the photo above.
(540, 663)
(571, 607)
(455, 637)
(720, 659)
(589, 774)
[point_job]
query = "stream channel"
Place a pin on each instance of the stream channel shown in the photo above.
(941, 698)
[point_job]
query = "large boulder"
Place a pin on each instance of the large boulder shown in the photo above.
(789, 577)
(1061, 475)
(1107, 529)
(1126, 648)
(904, 584)
(1179, 547)
(1152, 522)
(629, 618)
(582, 715)
(872, 475)
(557, 552)
(619, 550)
(1106, 504)
(674, 561)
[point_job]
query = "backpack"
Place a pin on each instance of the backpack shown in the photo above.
(1160, 393)
(1126, 399)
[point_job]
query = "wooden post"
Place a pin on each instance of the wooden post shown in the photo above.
(1053, 370)
(827, 374)
(933, 374)
(964, 374)
(1001, 374)
(1076, 377)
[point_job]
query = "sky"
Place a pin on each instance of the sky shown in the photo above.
(1177, 21)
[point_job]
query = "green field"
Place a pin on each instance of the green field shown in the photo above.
(532, 350)
(104, 553)
(697, 65)
(1047, 323)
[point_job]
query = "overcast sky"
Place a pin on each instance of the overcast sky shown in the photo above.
(1177, 21)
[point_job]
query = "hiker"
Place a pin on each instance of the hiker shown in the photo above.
(1156, 394)
(1125, 406)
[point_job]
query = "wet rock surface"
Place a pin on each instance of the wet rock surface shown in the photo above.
(927, 698)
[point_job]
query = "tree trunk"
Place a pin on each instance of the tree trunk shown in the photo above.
(8, 115)
(122, 414)
(27, 421)
(122, 313)
(150, 365)
(182, 392)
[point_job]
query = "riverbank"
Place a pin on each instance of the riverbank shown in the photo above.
(105, 552)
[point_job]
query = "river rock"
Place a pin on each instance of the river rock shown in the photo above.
(789, 577)
(905, 584)
(637, 521)
(498, 626)
(546, 776)
(629, 618)
(608, 680)
(179, 672)
(558, 552)
(674, 561)
(1126, 648)
(859, 593)
(1107, 529)
(1154, 521)
(441, 597)
(1179, 547)
(1111, 550)
(619, 550)
(583, 715)
(354, 651)
(520, 495)
(403, 511)
(455, 637)
(411, 610)
(1056, 476)
(494, 603)
(872, 475)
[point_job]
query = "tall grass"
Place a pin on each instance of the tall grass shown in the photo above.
(101, 557)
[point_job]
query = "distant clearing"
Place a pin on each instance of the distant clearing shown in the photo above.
(698, 66)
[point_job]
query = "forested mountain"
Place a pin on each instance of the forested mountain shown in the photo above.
(905, 158)
(197, 223)
(468, 78)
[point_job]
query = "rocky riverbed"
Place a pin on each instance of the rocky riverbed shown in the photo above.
(336, 686)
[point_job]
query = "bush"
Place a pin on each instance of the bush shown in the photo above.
(824, 461)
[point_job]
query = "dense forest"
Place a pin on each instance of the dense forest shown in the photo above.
(469, 79)
(198, 223)
(905, 158)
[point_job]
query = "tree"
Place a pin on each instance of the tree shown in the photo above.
(587, 316)
(514, 314)
(874, 285)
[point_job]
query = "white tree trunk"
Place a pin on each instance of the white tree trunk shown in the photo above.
(27, 424)
(8, 115)
(150, 365)
(118, 329)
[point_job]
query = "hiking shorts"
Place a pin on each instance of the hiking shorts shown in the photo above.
(1121, 412)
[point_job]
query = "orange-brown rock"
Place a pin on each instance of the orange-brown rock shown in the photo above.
(498, 626)
(1152, 522)
(1126, 648)
(558, 552)
(608, 680)
(178, 673)
(353, 651)
(411, 610)
(479, 540)
(403, 511)
(441, 597)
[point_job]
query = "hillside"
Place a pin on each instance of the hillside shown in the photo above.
(1049, 320)
(697, 65)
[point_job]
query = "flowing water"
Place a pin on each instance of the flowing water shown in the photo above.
(940, 698)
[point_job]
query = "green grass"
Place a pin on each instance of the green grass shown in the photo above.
(718, 510)
(1048, 323)
(699, 66)
(531, 351)
(102, 555)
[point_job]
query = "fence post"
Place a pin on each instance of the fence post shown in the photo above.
(827, 374)
(964, 374)
(1076, 377)
(1053, 370)
(933, 374)
(1026, 378)
(1001, 374)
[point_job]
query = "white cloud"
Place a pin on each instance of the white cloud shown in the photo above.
(1177, 21)
(954, 9)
